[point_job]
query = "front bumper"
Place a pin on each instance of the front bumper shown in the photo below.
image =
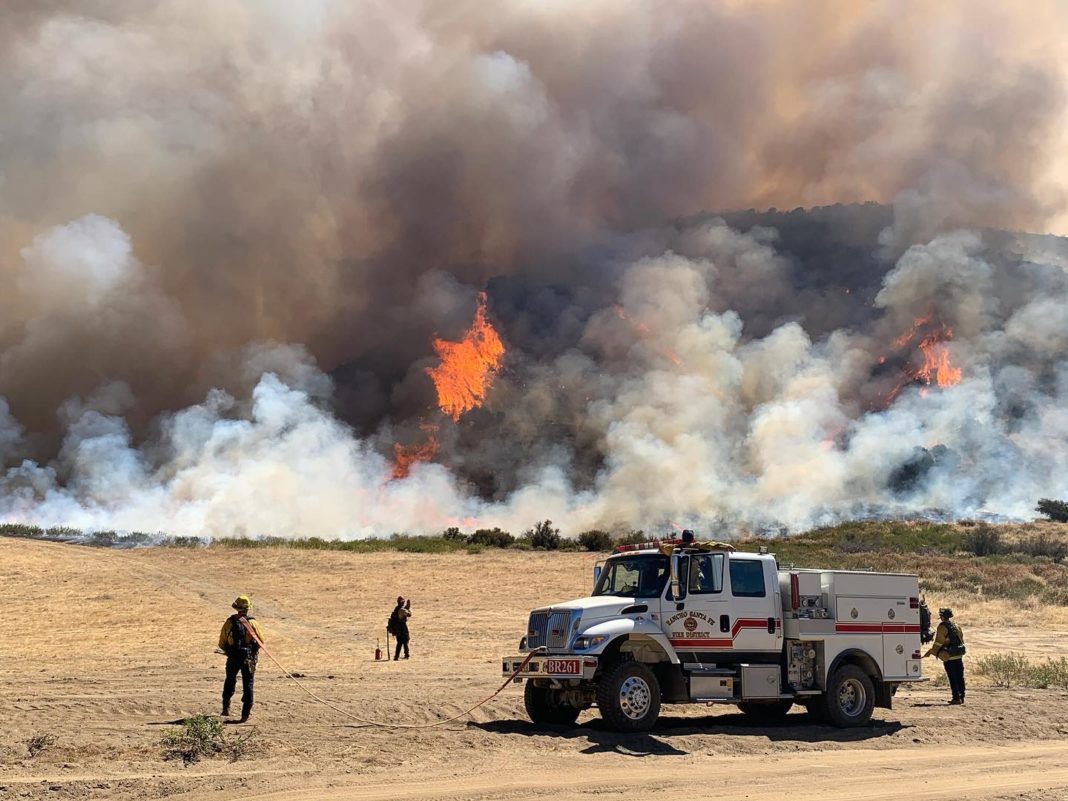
(550, 666)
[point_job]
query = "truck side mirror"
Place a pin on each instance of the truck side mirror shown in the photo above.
(676, 586)
(597, 573)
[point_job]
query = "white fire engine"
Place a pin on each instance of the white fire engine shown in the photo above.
(678, 621)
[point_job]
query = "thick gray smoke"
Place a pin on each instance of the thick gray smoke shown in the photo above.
(228, 235)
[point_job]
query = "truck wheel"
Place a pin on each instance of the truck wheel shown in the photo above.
(766, 713)
(850, 697)
(628, 696)
(544, 706)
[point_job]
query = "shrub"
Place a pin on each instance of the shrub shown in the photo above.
(200, 736)
(983, 540)
(1051, 673)
(1044, 545)
(454, 534)
(1054, 510)
(595, 540)
(491, 537)
(543, 537)
(38, 743)
(102, 539)
(1004, 670)
(633, 537)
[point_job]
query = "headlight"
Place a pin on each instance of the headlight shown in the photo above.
(586, 643)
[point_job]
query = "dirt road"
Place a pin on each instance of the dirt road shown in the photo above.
(102, 651)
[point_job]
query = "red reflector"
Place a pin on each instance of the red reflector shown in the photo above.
(916, 655)
(914, 603)
(795, 592)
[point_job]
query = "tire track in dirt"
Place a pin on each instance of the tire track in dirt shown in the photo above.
(916, 774)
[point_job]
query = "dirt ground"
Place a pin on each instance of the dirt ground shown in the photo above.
(105, 650)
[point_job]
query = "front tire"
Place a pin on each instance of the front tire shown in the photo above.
(850, 697)
(545, 707)
(628, 696)
(773, 712)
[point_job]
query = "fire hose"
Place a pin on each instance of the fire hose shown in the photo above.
(377, 723)
(344, 712)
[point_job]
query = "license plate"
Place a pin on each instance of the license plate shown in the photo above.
(566, 667)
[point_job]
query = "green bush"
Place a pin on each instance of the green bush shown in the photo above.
(1051, 673)
(983, 540)
(491, 538)
(1016, 670)
(1044, 545)
(1054, 510)
(454, 534)
(595, 540)
(543, 537)
(632, 537)
(200, 736)
(1005, 670)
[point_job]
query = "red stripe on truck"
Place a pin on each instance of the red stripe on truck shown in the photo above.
(741, 623)
(876, 628)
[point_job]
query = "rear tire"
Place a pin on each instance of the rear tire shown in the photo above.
(772, 712)
(628, 696)
(545, 707)
(850, 697)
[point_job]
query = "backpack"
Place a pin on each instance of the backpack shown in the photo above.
(393, 625)
(954, 644)
(241, 633)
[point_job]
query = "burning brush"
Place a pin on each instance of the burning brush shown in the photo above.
(461, 381)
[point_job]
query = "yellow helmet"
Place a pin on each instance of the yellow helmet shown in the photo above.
(242, 604)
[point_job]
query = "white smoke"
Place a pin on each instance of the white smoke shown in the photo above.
(699, 426)
(289, 204)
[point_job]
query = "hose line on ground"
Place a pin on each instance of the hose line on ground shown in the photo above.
(380, 724)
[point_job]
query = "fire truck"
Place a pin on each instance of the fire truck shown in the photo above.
(680, 622)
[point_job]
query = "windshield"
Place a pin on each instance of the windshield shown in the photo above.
(634, 576)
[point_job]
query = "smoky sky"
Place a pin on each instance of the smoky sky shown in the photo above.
(195, 196)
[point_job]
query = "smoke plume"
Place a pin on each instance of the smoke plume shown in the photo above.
(230, 235)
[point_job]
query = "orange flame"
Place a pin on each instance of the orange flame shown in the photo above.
(404, 456)
(468, 366)
(929, 336)
(936, 364)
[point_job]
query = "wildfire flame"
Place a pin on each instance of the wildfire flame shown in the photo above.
(467, 367)
(404, 456)
(929, 336)
(461, 380)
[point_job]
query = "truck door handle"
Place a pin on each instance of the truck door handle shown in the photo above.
(680, 606)
(724, 623)
(771, 625)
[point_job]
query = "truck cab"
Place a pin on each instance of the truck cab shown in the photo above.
(677, 621)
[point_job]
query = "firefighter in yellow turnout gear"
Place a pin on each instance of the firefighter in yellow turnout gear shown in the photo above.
(236, 640)
(948, 646)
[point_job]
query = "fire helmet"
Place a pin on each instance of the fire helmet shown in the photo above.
(242, 604)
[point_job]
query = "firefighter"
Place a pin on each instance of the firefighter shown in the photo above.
(398, 625)
(240, 640)
(949, 647)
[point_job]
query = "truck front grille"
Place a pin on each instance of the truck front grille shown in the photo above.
(549, 629)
